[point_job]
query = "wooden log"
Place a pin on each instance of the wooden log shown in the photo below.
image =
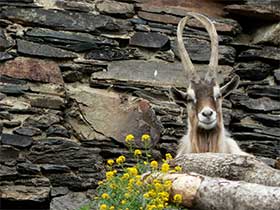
(202, 192)
(229, 166)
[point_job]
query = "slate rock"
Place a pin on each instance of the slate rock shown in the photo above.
(114, 8)
(25, 193)
(149, 40)
(72, 76)
(16, 140)
(47, 101)
(264, 91)
(257, 12)
(13, 90)
(267, 119)
(42, 121)
(7, 173)
(28, 131)
(11, 124)
(5, 115)
(74, 6)
(199, 50)
(43, 50)
(53, 168)
(268, 35)
(4, 42)
(28, 168)
(61, 151)
(58, 191)
(32, 69)
(70, 201)
(2, 96)
(73, 41)
(58, 130)
(62, 20)
(263, 104)
(252, 70)
(4, 56)
(111, 54)
(277, 76)
(266, 53)
(262, 148)
(20, 1)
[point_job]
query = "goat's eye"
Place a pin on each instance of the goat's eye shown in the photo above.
(218, 96)
(190, 100)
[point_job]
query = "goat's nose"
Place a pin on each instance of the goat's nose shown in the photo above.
(207, 113)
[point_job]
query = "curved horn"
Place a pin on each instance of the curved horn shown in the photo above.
(214, 43)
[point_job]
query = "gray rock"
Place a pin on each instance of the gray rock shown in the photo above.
(137, 74)
(252, 70)
(52, 168)
(60, 151)
(11, 124)
(7, 173)
(5, 115)
(268, 34)
(16, 140)
(47, 101)
(277, 76)
(73, 41)
(266, 53)
(8, 153)
(199, 50)
(42, 121)
(72, 76)
(59, 19)
(257, 12)
(263, 104)
(108, 53)
(20, 1)
(43, 50)
(4, 42)
(4, 56)
(267, 119)
(58, 130)
(28, 131)
(71, 201)
(264, 91)
(262, 148)
(13, 90)
(74, 6)
(58, 191)
(149, 40)
(28, 168)
(115, 8)
(245, 136)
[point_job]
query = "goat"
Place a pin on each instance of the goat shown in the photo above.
(206, 132)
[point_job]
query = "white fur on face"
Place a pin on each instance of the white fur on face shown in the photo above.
(216, 92)
(205, 120)
(191, 94)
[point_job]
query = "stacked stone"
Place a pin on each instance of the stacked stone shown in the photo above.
(77, 76)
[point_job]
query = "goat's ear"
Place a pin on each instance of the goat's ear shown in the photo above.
(177, 95)
(230, 86)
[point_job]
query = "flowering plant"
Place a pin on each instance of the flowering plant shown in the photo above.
(124, 188)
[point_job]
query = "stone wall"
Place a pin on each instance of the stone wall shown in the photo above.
(77, 76)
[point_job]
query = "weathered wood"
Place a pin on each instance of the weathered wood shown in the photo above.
(229, 166)
(201, 192)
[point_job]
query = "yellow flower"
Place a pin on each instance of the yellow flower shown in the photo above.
(168, 156)
(132, 171)
(100, 183)
(105, 196)
(125, 176)
(123, 202)
(110, 162)
(167, 184)
(120, 159)
(113, 186)
(158, 186)
(178, 168)
(177, 198)
(165, 167)
(129, 138)
(154, 164)
(137, 152)
(109, 175)
(139, 183)
(126, 195)
(103, 207)
(146, 137)
(112, 208)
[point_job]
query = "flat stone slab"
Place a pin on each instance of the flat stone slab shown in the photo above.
(112, 115)
(24, 193)
(32, 69)
(149, 40)
(137, 73)
(115, 8)
(16, 140)
(58, 19)
(266, 53)
(43, 50)
(71, 201)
